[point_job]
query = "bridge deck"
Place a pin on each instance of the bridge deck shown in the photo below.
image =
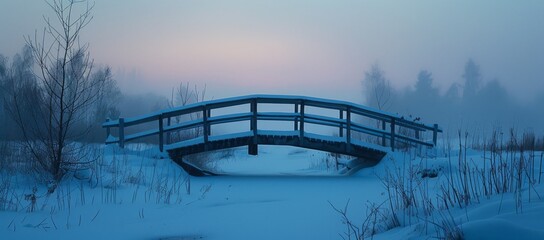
(291, 138)
(366, 154)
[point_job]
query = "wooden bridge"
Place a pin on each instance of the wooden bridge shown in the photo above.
(364, 133)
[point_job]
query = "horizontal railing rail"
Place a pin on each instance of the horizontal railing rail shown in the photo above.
(383, 125)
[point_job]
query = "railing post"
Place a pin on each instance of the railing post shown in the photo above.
(341, 129)
(253, 147)
(417, 145)
(121, 132)
(296, 118)
(383, 136)
(205, 126)
(392, 134)
(301, 129)
(108, 131)
(435, 132)
(168, 134)
(209, 126)
(348, 128)
(161, 136)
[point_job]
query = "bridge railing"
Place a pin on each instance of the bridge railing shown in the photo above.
(390, 128)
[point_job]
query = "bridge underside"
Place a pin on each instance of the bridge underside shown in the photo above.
(364, 155)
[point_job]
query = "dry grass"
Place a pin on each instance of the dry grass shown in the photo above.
(511, 164)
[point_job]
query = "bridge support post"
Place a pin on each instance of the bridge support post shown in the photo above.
(393, 134)
(161, 136)
(121, 132)
(253, 147)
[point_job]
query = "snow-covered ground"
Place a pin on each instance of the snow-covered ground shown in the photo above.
(284, 193)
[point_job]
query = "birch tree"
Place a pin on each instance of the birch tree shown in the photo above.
(65, 88)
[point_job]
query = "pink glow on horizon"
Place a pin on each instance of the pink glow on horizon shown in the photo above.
(263, 63)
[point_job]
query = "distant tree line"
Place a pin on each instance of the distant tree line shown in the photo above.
(474, 104)
(22, 95)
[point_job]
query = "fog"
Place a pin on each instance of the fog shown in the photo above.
(321, 49)
(478, 104)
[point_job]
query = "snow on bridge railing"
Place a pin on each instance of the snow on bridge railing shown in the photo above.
(387, 128)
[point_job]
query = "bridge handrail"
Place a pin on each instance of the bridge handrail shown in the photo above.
(278, 99)
(344, 122)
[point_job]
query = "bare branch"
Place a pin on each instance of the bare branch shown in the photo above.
(65, 87)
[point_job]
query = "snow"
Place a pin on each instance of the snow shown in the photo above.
(141, 134)
(499, 220)
(277, 133)
(284, 193)
(111, 139)
(275, 161)
(192, 141)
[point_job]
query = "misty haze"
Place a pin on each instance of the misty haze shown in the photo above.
(271, 119)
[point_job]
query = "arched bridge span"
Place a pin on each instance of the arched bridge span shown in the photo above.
(360, 131)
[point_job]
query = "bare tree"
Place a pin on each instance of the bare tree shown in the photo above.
(105, 106)
(473, 79)
(377, 89)
(183, 95)
(65, 88)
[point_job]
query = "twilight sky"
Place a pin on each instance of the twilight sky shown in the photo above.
(318, 48)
